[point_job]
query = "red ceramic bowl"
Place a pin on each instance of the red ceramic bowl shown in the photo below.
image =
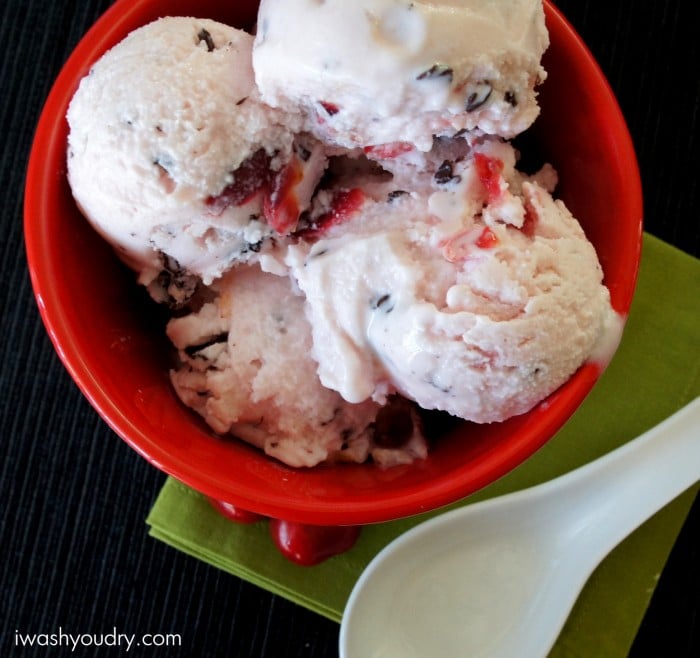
(110, 338)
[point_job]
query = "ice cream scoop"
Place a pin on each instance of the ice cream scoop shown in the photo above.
(478, 296)
(176, 161)
(497, 579)
(245, 366)
(373, 72)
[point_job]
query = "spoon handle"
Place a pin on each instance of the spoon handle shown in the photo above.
(617, 493)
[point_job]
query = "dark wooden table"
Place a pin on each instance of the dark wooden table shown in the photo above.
(74, 552)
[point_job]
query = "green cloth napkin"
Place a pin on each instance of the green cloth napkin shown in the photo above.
(654, 373)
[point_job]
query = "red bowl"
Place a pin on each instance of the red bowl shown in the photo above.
(111, 339)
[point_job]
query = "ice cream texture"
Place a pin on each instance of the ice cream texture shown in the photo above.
(246, 370)
(479, 296)
(334, 210)
(172, 155)
(373, 72)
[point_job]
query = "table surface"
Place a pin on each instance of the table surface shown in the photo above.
(74, 548)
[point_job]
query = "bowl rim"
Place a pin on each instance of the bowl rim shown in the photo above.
(406, 502)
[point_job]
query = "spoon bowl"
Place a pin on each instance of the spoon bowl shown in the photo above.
(498, 579)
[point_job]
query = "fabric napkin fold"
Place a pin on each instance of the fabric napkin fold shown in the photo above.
(655, 372)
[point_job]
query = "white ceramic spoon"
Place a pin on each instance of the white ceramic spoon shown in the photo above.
(498, 578)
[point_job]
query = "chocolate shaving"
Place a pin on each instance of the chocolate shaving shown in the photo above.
(383, 303)
(478, 96)
(510, 98)
(174, 285)
(191, 350)
(205, 36)
(437, 71)
(303, 153)
(445, 174)
(396, 194)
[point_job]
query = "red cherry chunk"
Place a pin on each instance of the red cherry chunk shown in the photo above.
(487, 239)
(489, 171)
(388, 151)
(330, 108)
(281, 205)
(251, 178)
(344, 205)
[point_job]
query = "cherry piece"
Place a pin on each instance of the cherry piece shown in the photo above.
(531, 218)
(250, 179)
(344, 205)
(330, 108)
(388, 151)
(281, 204)
(489, 171)
(487, 239)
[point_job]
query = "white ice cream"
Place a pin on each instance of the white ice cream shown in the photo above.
(479, 299)
(371, 72)
(322, 285)
(171, 151)
(246, 368)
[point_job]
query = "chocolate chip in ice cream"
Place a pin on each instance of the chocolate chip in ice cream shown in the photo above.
(205, 36)
(477, 95)
(445, 174)
(383, 302)
(437, 71)
(511, 98)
